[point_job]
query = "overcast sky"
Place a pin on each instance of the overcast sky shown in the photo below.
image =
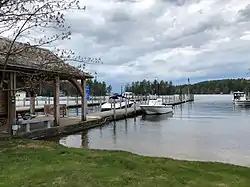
(167, 39)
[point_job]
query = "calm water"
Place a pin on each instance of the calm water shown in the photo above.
(209, 129)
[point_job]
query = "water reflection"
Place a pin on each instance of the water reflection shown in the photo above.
(114, 132)
(101, 133)
(126, 126)
(211, 128)
(156, 118)
(76, 140)
(242, 109)
(85, 139)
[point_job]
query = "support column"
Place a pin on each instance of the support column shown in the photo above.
(84, 100)
(56, 101)
(11, 101)
(32, 101)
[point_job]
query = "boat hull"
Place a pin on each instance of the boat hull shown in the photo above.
(161, 109)
(107, 106)
(242, 102)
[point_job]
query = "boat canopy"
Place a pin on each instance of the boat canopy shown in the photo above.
(238, 92)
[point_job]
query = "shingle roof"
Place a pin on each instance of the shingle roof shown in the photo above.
(30, 58)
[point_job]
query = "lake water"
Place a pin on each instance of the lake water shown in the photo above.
(209, 129)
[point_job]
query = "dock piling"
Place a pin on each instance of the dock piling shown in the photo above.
(120, 100)
(114, 110)
(77, 99)
(134, 106)
(67, 100)
(126, 107)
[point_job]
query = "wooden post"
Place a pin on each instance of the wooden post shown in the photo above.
(120, 102)
(32, 101)
(11, 102)
(134, 106)
(67, 100)
(126, 107)
(114, 109)
(100, 101)
(77, 100)
(28, 127)
(37, 102)
(84, 101)
(56, 101)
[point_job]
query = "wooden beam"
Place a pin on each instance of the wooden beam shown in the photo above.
(56, 101)
(11, 101)
(32, 101)
(84, 100)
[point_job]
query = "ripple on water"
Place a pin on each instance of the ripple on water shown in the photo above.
(209, 129)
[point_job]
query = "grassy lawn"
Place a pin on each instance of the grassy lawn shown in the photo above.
(37, 163)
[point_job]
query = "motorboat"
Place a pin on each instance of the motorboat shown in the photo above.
(241, 99)
(156, 106)
(120, 102)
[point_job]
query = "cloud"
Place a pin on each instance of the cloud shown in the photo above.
(168, 39)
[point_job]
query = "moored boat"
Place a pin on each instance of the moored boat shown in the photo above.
(156, 106)
(120, 102)
(241, 99)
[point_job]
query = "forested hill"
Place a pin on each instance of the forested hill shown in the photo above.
(207, 87)
(221, 86)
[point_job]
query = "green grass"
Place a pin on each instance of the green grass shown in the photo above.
(37, 163)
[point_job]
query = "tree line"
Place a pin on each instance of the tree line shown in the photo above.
(96, 88)
(162, 87)
(148, 87)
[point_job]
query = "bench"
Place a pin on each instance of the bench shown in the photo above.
(3, 121)
(27, 123)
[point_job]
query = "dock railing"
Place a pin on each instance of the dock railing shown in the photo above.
(95, 100)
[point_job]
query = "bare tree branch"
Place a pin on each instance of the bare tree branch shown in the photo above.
(20, 18)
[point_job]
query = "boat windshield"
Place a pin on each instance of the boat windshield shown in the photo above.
(155, 101)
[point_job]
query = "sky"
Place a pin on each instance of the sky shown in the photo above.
(164, 39)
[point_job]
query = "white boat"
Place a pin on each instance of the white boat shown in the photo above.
(241, 99)
(119, 103)
(156, 106)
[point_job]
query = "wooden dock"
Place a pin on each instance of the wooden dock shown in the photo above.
(169, 100)
(70, 125)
